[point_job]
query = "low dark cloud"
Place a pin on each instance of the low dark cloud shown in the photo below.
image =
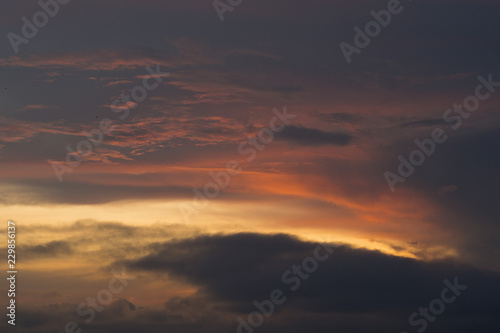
(238, 269)
(352, 291)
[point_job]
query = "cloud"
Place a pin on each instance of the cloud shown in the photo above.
(424, 123)
(448, 189)
(314, 137)
(237, 269)
(88, 61)
(352, 290)
(337, 117)
(114, 83)
(38, 107)
(13, 130)
(51, 249)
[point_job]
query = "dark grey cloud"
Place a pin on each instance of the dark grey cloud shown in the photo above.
(314, 137)
(238, 269)
(354, 290)
(51, 249)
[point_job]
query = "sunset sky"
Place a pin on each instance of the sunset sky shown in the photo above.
(215, 91)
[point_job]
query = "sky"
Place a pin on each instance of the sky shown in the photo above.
(181, 157)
